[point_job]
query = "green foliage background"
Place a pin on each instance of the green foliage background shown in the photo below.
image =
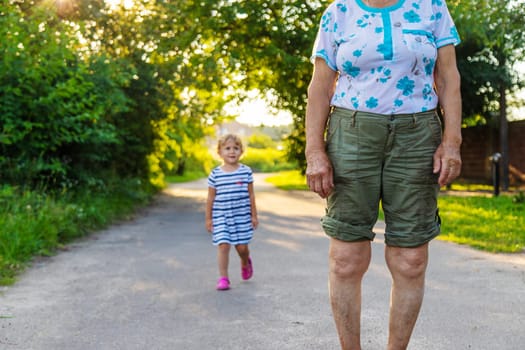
(90, 92)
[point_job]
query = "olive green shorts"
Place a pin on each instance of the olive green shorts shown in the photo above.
(388, 159)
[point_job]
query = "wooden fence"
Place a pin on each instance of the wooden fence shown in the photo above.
(481, 142)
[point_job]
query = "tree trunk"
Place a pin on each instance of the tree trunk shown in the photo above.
(504, 139)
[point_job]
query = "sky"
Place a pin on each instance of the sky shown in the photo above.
(256, 112)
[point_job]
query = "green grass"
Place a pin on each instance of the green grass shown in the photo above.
(288, 180)
(35, 223)
(266, 160)
(469, 187)
(494, 224)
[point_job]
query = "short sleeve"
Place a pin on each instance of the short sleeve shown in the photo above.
(211, 180)
(325, 45)
(445, 30)
(249, 175)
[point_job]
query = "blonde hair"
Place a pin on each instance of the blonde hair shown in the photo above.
(229, 137)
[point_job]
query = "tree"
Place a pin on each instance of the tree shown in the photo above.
(52, 110)
(144, 80)
(267, 45)
(164, 68)
(493, 41)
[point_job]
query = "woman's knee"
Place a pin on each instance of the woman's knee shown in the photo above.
(407, 262)
(349, 260)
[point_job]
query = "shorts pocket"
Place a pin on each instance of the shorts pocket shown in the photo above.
(436, 130)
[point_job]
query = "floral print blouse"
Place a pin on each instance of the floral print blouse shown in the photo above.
(385, 57)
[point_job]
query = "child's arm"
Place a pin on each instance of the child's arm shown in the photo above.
(255, 221)
(209, 207)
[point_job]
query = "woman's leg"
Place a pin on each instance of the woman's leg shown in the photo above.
(408, 266)
(348, 263)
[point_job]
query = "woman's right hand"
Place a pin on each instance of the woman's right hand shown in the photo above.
(319, 173)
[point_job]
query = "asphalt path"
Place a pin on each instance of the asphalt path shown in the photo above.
(149, 283)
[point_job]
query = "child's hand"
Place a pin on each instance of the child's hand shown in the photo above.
(255, 222)
(209, 225)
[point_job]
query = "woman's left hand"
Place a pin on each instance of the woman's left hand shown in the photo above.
(447, 162)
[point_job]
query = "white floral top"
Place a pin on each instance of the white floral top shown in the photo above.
(385, 57)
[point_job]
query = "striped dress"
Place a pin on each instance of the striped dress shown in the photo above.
(231, 213)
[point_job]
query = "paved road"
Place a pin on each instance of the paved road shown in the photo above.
(149, 284)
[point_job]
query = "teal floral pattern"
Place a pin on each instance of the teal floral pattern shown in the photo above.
(412, 17)
(406, 86)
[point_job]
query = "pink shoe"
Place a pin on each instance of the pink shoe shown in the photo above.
(223, 283)
(247, 272)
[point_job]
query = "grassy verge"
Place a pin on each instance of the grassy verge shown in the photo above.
(266, 160)
(288, 180)
(494, 224)
(34, 223)
(188, 176)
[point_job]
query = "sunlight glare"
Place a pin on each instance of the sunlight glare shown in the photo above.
(256, 110)
(115, 3)
(64, 8)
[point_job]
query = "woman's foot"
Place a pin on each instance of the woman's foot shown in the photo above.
(223, 283)
(247, 271)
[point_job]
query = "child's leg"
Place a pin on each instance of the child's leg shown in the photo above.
(244, 253)
(246, 262)
(223, 257)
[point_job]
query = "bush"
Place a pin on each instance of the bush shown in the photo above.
(260, 141)
(266, 160)
(54, 115)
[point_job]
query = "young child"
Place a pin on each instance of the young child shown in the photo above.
(231, 215)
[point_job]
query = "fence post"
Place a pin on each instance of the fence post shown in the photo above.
(495, 159)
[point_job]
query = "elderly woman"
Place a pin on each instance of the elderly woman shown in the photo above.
(382, 69)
